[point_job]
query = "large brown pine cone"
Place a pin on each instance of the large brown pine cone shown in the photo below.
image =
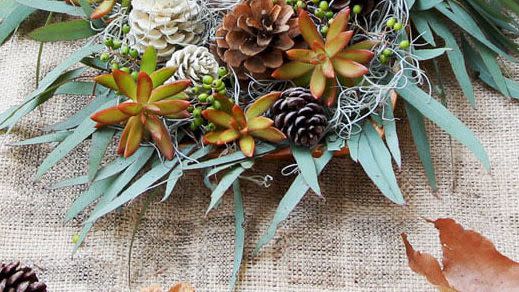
(17, 278)
(300, 116)
(254, 35)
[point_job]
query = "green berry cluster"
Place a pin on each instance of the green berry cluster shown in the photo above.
(322, 11)
(205, 98)
(296, 4)
(394, 24)
(120, 55)
(385, 56)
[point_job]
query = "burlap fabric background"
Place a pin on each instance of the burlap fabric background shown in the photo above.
(348, 242)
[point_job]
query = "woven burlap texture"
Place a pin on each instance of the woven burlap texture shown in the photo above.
(348, 241)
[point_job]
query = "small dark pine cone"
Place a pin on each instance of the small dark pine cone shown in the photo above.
(300, 116)
(17, 278)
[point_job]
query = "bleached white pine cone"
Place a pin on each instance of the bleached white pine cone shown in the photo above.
(164, 24)
(193, 62)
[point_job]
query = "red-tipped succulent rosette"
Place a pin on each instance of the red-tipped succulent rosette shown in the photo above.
(244, 126)
(326, 60)
(148, 100)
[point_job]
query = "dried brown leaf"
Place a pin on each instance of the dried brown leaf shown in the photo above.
(182, 287)
(178, 287)
(471, 262)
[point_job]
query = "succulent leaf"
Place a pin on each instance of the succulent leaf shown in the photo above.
(239, 116)
(149, 60)
(364, 45)
(228, 136)
(109, 116)
(103, 9)
(259, 123)
(212, 137)
(356, 55)
(125, 83)
(328, 69)
(318, 82)
(180, 115)
(338, 43)
(123, 140)
(270, 134)
(349, 68)
(330, 93)
(162, 75)
(292, 70)
(217, 117)
(135, 133)
(168, 107)
(261, 105)
(169, 90)
(302, 55)
(247, 145)
(130, 108)
(107, 80)
(308, 29)
(144, 87)
(226, 104)
(159, 134)
(339, 23)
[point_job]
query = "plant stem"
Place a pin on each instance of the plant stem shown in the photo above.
(40, 52)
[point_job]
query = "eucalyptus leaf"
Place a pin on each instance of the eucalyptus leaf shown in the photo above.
(119, 183)
(225, 183)
(16, 113)
(47, 138)
(47, 81)
(12, 14)
(376, 161)
(63, 31)
(239, 240)
(261, 149)
(389, 124)
(88, 197)
(428, 54)
(83, 131)
(101, 139)
(456, 58)
(353, 145)
(80, 116)
(290, 200)
(419, 132)
(442, 117)
(306, 165)
(53, 6)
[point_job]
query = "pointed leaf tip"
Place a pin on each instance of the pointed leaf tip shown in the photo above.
(262, 105)
(144, 87)
(125, 83)
(308, 29)
(339, 23)
(103, 9)
(149, 60)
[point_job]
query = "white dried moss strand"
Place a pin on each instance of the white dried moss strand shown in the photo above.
(193, 62)
(354, 104)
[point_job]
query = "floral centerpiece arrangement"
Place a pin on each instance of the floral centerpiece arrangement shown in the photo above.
(219, 86)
